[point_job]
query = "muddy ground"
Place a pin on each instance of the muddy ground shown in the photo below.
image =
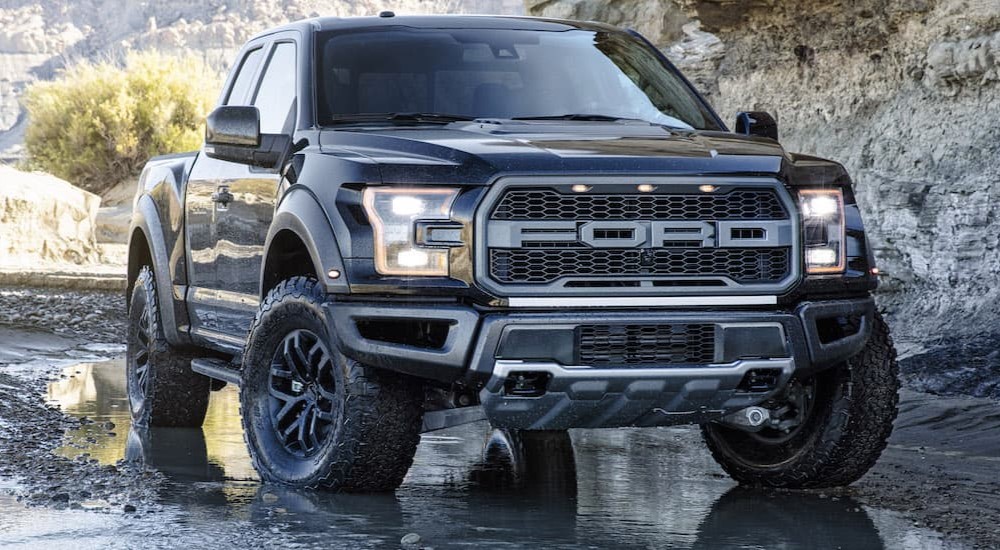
(65, 480)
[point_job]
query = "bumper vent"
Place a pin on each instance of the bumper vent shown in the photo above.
(646, 345)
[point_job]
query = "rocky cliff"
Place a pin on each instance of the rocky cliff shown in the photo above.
(903, 92)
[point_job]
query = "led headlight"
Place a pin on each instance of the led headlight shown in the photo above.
(823, 229)
(393, 213)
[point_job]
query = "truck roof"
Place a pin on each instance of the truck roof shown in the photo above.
(318, 24)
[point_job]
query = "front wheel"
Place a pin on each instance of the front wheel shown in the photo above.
(312, 417)
(831, 427)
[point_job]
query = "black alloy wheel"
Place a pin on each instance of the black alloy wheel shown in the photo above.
(304, 401)
(139, 356)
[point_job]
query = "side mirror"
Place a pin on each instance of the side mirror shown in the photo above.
(757, 123)
(232, 133)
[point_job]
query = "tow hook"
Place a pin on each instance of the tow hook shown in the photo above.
(750, 419)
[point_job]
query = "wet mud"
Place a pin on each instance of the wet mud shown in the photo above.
(74, 474)
(654, 488)
(956, 366)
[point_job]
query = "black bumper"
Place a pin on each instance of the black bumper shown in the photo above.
(484, 349)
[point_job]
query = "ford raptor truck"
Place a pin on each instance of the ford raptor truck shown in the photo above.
(401, 224)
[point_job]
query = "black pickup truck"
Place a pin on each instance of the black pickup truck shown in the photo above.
(401, 224)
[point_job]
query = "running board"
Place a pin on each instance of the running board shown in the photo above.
(449, 418)
(217, 369)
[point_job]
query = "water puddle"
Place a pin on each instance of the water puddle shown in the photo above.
(653, 488)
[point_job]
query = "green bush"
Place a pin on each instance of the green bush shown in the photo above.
(98, 123)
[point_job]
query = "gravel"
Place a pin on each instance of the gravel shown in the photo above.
(32, 429)
(95, 317)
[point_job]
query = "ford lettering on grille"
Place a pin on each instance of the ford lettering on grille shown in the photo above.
(546, 240)
(642, 234)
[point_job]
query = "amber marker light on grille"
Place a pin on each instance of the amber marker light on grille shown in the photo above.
(707, 188)
(647, 188)
(580, 188)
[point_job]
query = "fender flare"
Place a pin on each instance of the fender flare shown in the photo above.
(300, 213)
(146, 219)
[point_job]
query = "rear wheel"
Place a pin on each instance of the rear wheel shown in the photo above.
(162, 388)
(314, 418)
(828, 429)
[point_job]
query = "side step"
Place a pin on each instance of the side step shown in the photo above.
(448, 418)
(217, 369)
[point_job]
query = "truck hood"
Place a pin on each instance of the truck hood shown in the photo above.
(476, 152)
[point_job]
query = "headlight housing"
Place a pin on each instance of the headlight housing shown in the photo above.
(394, 213)
(823, 230)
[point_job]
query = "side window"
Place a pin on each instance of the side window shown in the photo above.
(244, 77)
(276, 93)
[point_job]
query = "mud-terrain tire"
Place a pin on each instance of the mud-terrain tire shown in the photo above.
(844, 433)
(162, 388)
(363, 427)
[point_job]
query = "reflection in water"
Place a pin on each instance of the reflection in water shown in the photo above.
(97, 391)
(469, 486)
(179, 453)
(796, 519)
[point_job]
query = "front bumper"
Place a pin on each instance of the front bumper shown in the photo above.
(484, 350)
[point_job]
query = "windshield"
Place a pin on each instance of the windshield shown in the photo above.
(499, 73)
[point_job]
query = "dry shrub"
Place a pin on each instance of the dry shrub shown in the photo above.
(98, 123)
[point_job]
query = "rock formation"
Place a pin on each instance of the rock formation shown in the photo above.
(45, 220)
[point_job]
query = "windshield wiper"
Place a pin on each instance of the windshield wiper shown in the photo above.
(433, 118)
(576, 116)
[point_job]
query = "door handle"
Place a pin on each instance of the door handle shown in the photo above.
(222, 197)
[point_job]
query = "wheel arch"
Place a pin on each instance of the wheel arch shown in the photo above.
(300, 241)
(146, 247)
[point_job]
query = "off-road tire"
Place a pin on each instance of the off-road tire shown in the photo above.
(376, 422)
(843, 437)
(172, 395)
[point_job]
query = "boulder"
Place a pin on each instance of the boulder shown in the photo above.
(44, 219)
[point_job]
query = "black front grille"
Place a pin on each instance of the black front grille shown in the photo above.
(538, 265)
(539, 239)
(646, 345)
(547, 204)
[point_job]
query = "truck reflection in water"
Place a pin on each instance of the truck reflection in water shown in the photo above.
(652, 488)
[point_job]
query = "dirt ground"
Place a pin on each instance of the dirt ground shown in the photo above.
(939, 472)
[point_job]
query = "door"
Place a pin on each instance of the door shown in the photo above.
(243, 226)
(205, 202)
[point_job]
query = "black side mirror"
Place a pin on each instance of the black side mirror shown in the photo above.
(232, 133)
(757, 123)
